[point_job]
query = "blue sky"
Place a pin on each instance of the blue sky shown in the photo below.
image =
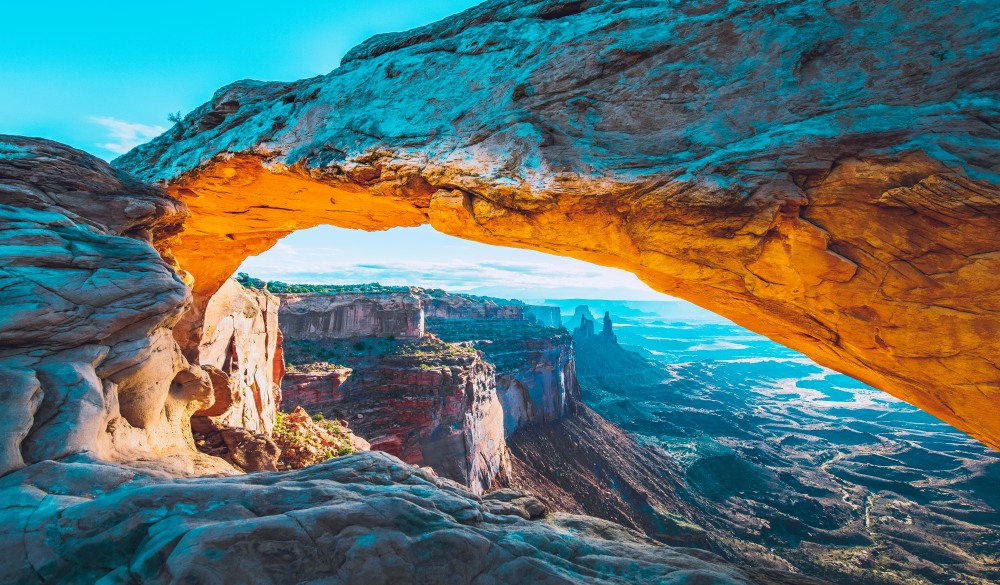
(424, 257)
(70, 71)
(103, 76)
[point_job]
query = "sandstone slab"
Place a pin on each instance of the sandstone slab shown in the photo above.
(362, 519)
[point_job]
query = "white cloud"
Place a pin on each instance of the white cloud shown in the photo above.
(126, 135)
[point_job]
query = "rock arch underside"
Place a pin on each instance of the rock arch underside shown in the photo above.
(823, 182)
(824, 173)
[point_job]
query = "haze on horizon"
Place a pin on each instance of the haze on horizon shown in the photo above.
(426, 258)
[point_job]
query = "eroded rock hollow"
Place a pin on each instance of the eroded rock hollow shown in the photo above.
(823, 173)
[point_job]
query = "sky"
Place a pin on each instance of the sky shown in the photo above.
(103, 76)
(423, 257)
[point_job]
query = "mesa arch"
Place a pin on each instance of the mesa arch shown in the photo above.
(830, 185)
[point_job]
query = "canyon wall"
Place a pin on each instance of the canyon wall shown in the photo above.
(429, 403)
(346, 315)
(544, 315)
(239, 350)
(442, 415)
(536, 372)
(821, 173)
(314, 389)
(536, 375)
(544, 389)
(462, 307)
(407, 398)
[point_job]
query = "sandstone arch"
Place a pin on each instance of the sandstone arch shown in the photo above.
(821, 173)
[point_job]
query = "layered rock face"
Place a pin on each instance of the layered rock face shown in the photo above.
(821, 173)
(87, 358)
(544, 315)
(239, 349)
(543, 388)
(346, 315)
(535, 367)
(442, 415)
(315, 389)
(462, 439)
(429, 403)
(462, 307)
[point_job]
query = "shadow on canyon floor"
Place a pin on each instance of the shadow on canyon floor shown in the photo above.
(788, 459)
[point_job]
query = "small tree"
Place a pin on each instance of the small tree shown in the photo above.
(175, 118)
(250, 282)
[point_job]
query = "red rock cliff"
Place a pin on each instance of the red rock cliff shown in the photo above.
(346, 315)
(429, 403)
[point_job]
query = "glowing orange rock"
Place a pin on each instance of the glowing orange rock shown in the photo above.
(795, 183)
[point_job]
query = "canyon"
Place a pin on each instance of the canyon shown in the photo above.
(702, 464)
(822, 173)
(448, 400)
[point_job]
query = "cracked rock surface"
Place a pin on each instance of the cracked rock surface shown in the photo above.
(365, 518)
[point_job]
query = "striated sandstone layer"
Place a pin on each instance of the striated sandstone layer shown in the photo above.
(429, 403)
(346, 315)
(823, 173)
(314, 388)
(444, 415)
(464, 307)
(87, 358)
(239, 349)
(535, 366)
(543, 388)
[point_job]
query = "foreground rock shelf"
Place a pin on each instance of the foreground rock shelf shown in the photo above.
(364, 518)
(823, 174)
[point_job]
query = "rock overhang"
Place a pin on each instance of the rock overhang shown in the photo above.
(822, 173)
